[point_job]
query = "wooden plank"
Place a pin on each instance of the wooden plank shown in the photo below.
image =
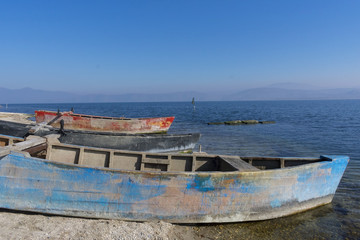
(9, 140)
(36, 149)
(31, 142)
(193, 167)
(4, 151)
(111, 159)
(143, 156)
(168, 166)
(48, 152)
(238, 163)
(156, 161)
(278, 158)
(80, 160)
(282, 163)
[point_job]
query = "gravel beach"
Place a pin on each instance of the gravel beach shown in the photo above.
(17, 225)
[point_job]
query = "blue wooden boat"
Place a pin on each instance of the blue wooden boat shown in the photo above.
(178, 188)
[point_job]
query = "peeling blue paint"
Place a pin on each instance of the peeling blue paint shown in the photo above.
(275, 203)
(201, 183)
(247, 187)
(304, 177)
(33, 184)
(77, 188)
(322, 184)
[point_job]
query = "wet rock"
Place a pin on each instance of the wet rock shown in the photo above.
(235, 122)
(240, 122)
(215, 123)
(250, 121)
(266, 122)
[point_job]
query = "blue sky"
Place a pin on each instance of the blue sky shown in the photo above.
(169, 46)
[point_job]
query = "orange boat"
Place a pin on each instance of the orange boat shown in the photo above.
(104, 124)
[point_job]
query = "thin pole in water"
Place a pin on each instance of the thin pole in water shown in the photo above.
(193, 103)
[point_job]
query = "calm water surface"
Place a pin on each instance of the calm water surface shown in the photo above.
(303, 128)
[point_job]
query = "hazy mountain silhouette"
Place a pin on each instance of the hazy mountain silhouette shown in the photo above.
(291, 85)
(269, 93)
(29, 95)
(272, 92)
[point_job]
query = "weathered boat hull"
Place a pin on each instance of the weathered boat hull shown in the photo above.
(32, 184)
(105, 124)
(14, 128)
(132, 142)
(144, 143)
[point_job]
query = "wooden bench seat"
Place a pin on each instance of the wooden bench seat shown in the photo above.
(239, 164)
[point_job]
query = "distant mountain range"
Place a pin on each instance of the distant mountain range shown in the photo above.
(273, 92)
(29, 95)
(295, 94)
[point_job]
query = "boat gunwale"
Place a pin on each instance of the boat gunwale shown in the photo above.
(101, 117)
(11, 137)
(324, 159)
(157, 135)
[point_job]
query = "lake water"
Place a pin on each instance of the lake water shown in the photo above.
(302, 128)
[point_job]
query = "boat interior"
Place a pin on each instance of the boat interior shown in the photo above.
(53, 150)
(9, 140)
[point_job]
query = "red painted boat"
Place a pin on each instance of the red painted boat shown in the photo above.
(105, 124)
